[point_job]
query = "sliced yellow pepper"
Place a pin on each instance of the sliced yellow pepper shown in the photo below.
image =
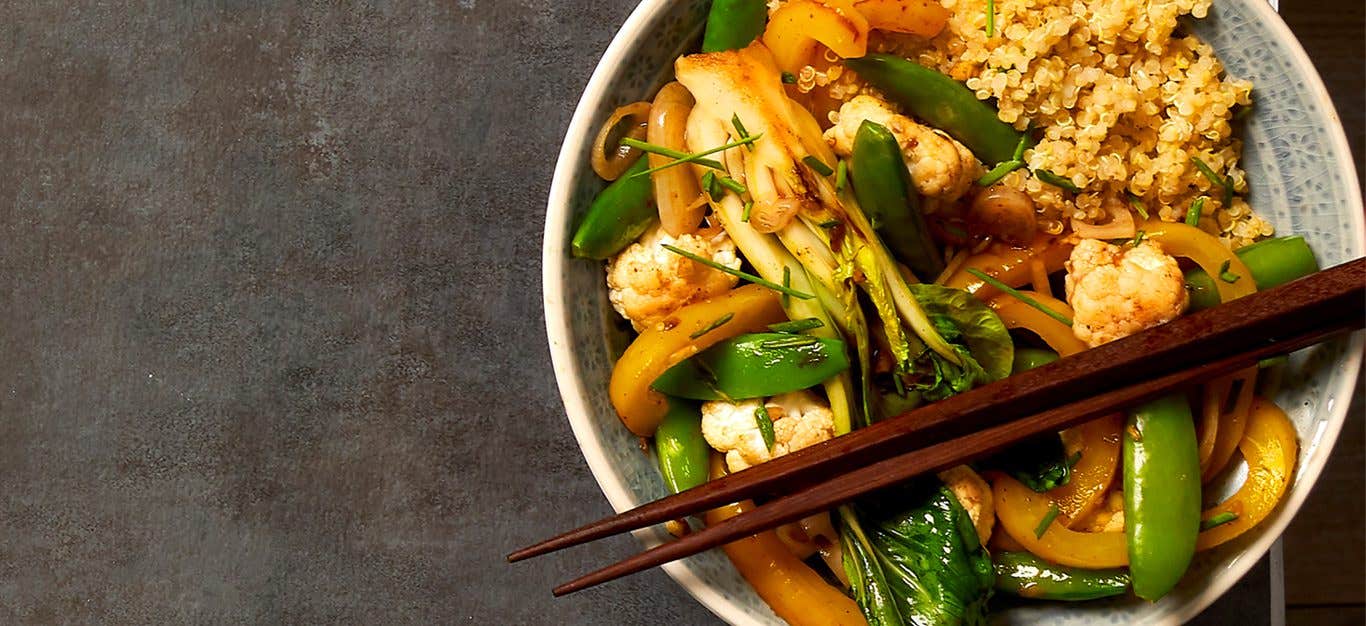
(796, 30)
(751, 308)
(916, 17)
(1011, 265)
(1014, 313)
(1021, 511)
(1205, 250)
(1269, 445)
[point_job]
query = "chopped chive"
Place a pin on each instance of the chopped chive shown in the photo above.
(765, 425)
(1218, 520)
(795, 341)
(783, 289)
(789, 78)
(749, 206)
(1137, 203)
(710, 186)
(646, 146)
(1057, 181)
(1020, 147)
(796, 326)
(1225, 275)
(816, 164)
(1273, 361)
(1139, 237)
(732, 184)
(1046, 521)
(829, 223)
(1004, 288)
(694, 157)
(740, 128)
(999, 172)
(720, 321)
(841, 175)
(991, 18)
(787, 285)
(1193, 213)
(1215, 179)
(900, 384)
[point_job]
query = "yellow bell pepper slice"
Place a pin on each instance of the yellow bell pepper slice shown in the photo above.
(796, 30)
(1011, 265)
(751, 307)
(1021, 510)
(914, 17)
(1179, 239)
(1270, 446)
(1014, 313)
(794, 591)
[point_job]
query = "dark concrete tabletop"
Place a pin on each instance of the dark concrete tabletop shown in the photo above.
(271, 331)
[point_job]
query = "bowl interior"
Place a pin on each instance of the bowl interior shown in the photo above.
(1301, 178)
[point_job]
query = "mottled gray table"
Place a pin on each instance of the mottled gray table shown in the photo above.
(272, 347)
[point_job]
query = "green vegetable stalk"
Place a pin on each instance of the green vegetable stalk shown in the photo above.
(883, 187)
(1025, 575)
(756, 365)
(1161, 494)
(942, 102)
(733, 24)
(1272, 262)
(682, 452)
(617, 217)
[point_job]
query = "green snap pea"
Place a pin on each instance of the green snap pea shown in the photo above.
(1161, 494)
(619, 215)
(682, 452)
(884, 189)
(943, 102)
(1025, 575)
(733, 24)
(1030, 358)
(756, 365)
(1272, 262)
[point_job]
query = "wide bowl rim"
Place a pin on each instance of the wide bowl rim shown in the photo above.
(611, 482)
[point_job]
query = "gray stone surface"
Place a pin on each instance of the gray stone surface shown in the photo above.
(272, 347)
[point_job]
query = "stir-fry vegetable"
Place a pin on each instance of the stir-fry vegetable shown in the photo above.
(943, 102)
(755, 366)
(1161, 494)
(1025, 575)
(616, 217)
(733, 24)
(1270, 448)
(798, 29)
(1270, 263)
(682, 452)
(883, 187)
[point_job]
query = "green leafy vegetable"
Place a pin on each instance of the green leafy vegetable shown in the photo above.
(986, 336)
(1039, 463)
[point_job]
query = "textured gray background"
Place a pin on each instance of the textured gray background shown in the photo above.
(272, 348)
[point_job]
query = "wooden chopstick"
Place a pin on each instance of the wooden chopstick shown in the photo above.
(940, 456)
(1291, 310)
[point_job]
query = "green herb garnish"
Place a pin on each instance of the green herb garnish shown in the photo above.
(1218, 520)
(783, 289)
(816, 164)
(1193, 213)
(694, 157)
(999, 172)
(1139, 237)
(1137, 203)
(740, 128)
(1046, 521)
(796, 326)
(719, 322)
(795, 341)
(841, 175)
(749, 206)
(787, 285)
(1004, 288)
(732, 184)
(1225, 275)
(1057, 181)
(1215, 178)
(829, 223)
(653, 148)
(711, 186)
(765, 425)
(789, 78)
(991, 18)
(1020, 147)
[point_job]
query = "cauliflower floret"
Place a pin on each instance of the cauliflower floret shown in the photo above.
(1115, 293)
(648, 282)
(975, 495)
(800, 419)
(940, 167)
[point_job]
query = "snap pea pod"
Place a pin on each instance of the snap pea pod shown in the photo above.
(943, 102)
(757, 365)
(1025, 575)
(884, 189)
(733, 24)
(1030, 358)
(682, 452)
(619, 215)
(1161, 494)
(1272, 262)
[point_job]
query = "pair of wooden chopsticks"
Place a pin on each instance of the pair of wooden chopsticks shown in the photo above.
(1072, 390)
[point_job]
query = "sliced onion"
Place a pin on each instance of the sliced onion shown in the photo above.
(609, 157)
(676, 190)
(770, 216)
(1120, 226)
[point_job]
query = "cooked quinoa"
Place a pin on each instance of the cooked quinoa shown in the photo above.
(1124, 99)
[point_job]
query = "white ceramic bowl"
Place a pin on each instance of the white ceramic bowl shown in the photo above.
(1301, 176)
